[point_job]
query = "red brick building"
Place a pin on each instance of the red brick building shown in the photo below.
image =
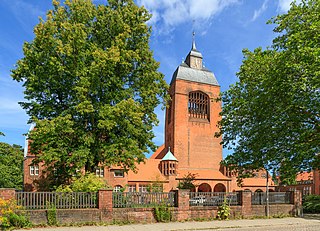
(190, 145)
(306, 182)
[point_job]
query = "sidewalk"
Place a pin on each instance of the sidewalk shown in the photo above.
(256, 224)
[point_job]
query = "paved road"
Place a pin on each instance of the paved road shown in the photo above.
(292, 224)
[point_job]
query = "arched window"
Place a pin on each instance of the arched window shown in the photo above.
(198, 105)
(117, 188)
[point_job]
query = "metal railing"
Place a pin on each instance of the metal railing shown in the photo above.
(142, 199)
(59, 200)
(213, 198)
(260, 198)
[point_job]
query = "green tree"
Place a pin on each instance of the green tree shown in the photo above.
(271, 117)
(187, 182)
(91, 85)
(11, 160)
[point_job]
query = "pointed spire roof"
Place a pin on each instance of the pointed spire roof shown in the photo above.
(192, 69)
(194, 52)
(193, 41)
(169, 156)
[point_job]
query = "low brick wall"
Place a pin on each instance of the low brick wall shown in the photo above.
(106, 213)
(66, 216)
(274, 210)
(137, 215)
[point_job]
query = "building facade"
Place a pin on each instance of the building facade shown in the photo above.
(190, 146)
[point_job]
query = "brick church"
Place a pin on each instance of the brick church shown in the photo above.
(190, 146)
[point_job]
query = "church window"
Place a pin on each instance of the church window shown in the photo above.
(198, 105)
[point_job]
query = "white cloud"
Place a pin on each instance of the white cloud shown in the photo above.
(167, 14)
(259, 11)
(284, 5)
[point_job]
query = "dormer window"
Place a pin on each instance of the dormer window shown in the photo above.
(198, 105)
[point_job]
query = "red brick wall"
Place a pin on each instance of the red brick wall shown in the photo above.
(316, 182)
(191, 138)
(7, 193)
(65, 216)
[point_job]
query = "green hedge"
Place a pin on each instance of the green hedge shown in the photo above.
(311, 204)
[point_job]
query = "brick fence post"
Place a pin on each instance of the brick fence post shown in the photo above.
(183, 197)
(105, 204)
(7, 193)
(246, 208)
(297, 201)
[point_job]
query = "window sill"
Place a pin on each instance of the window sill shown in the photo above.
(192, 119)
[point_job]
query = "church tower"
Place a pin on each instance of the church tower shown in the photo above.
(192, 116)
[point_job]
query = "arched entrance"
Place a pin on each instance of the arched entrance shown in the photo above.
(204, 187)
(258, 190)
(219, 188)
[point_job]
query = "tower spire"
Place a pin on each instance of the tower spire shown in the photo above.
(193, 41)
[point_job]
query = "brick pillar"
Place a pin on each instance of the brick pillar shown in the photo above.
(246, 208)
(105, 200)
(297, 201)
(316, 182)
(7, 193)
(183, 197)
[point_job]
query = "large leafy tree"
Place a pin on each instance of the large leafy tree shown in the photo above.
(271, 116)
(11, 159)
(91, 85)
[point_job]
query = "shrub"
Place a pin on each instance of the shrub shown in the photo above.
(52, 215)
(86, 183)
(162, 213)
(311, 204)
(187, 181)
(9, 217)
(224, 210)
(18, 220)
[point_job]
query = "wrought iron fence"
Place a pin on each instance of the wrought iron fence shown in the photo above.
(59, 200)
(260, 198)
(213, 198)
(142, 199)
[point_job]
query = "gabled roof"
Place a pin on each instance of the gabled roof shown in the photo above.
(147, 172)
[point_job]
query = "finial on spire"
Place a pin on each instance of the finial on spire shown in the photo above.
(193, 41)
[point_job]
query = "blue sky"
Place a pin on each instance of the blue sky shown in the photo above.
(223, 28)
